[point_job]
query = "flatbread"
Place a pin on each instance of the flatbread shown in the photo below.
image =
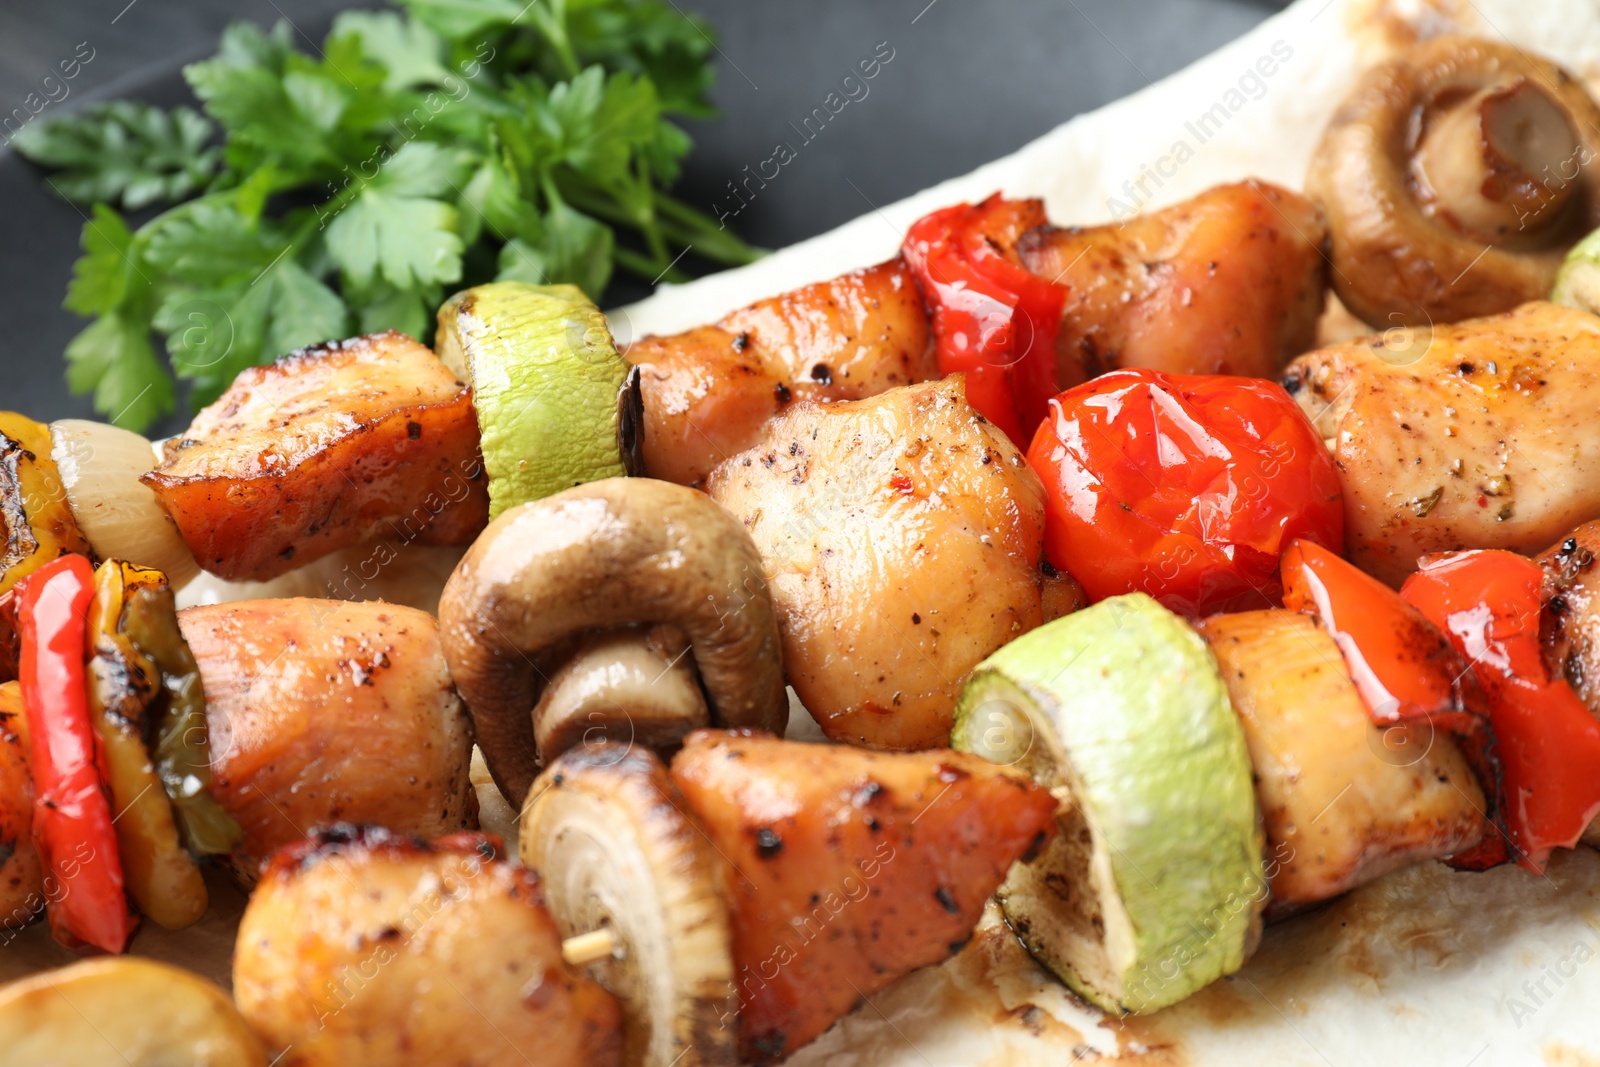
(1427, 966)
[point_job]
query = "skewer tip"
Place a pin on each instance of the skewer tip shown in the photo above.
(587, 948)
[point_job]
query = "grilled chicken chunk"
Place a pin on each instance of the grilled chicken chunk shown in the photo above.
(1479, 434)
(365, 948)
(21, 876)
(1344, 800)
(901, 538)
(1230, 282)
(328, 447)
(321, 711)
(848, 869)
(1570, 627)
(709, 392)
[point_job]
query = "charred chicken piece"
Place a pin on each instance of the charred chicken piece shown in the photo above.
(365, 947)
(848, 869)
(1344, 800)
(710, 392)
(1061, 593)
(1474, 435)
(328, 447)
(1570, 626)
(1229, 282)
(901, 538)
(321, 711)
(21, 875)
(756, 893)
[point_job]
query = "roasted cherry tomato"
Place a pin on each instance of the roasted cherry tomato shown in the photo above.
(72, 823)
(1186, 487)
(1488, 602)
(993, 319)
(1404, 667)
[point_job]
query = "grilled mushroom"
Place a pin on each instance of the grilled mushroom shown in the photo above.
(1454, 179)
(637, 670)
(628, 870)
(555, 625)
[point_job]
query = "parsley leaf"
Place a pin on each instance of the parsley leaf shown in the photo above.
(407, 311)
(599, 123)
(244, 44)
(395, 227)
(208, 241)
(313, 118)
(113, 358)
(464, 18)
(100, 278)
(409, 240)
(492, 200)
(133, 153)
(573, 248)
(410, 53)
(213, 334)
(667, 46)
(351, 186)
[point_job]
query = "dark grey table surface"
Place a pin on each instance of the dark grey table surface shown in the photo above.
(967, 82)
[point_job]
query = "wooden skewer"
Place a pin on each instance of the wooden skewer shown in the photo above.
(586, 948)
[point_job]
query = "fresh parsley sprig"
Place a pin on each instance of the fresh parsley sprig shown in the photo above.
(460, 141)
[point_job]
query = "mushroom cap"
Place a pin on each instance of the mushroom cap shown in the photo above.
(1398, 259)
(612, 553)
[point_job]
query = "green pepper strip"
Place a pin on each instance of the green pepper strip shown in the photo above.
(182, 749)
(159, 874)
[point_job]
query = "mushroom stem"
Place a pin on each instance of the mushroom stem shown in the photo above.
(587, 948)
(634, 685)
(613, 555)
(1496, 162)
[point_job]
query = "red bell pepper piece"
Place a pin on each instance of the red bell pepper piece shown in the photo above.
(72, 828)
(1405, 669)
(1488, 602)
(1401, 664)
(993, 319)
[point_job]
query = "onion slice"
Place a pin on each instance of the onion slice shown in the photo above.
(607, 829)
(100, 467)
